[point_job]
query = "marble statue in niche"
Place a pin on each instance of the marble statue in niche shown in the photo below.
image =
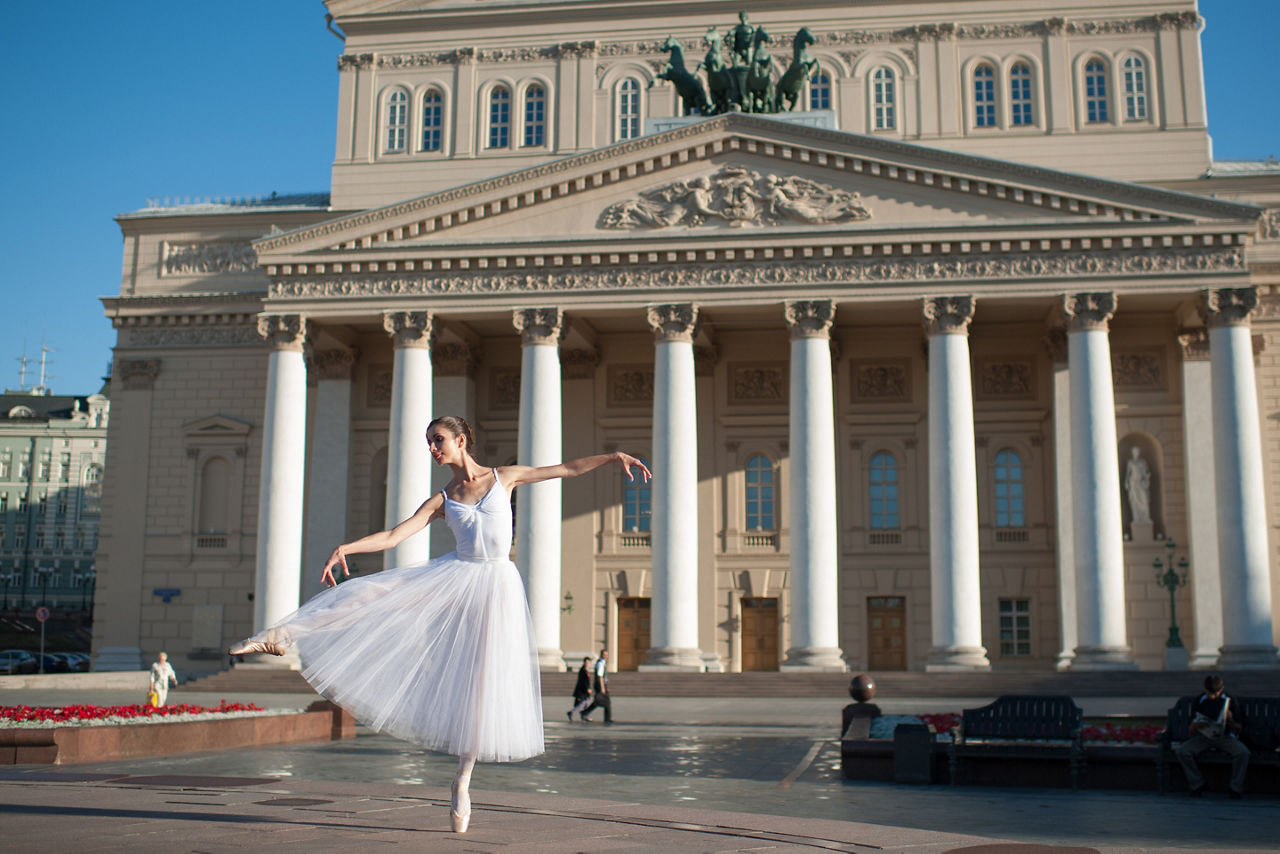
(1137, 483)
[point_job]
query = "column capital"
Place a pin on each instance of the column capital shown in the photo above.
(408, 328)
(538, 325)
(810, 318)
(674, 321)
(283, 331)
(454, 359)
(333, 364)
(1227, 306)
(945, 315)
(138, 374)
(1194, 344)
(1088, 311)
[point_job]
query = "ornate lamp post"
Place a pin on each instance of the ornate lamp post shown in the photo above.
(1172, 579)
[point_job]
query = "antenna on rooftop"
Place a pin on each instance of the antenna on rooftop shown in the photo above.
(22, 371)
(45, 376)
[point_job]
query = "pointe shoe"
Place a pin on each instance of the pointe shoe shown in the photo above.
(250, 647)
(460, 822)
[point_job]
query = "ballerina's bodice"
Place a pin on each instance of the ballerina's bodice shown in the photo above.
(483, 529)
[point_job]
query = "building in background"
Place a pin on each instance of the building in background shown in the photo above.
(929, 372)
(53, 451)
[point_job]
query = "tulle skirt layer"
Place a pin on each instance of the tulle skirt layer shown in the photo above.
(441, 655)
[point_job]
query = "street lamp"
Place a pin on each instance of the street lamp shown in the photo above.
(9, 581)
(1169, 578)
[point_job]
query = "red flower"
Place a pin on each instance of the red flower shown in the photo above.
(24, 714)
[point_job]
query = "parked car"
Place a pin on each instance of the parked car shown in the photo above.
(18, 661)
(79, 661)
(52, 663)
(70, 659)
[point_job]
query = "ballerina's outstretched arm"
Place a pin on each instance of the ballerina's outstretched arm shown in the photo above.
(513, 476)
(431, 509)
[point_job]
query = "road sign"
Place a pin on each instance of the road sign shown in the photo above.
(42, 614)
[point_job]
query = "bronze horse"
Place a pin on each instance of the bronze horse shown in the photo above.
(803, 67)
(759, 95)
(689, 87)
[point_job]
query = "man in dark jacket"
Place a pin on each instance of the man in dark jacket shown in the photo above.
(1215, 722)
(600, 684)
(582, 695)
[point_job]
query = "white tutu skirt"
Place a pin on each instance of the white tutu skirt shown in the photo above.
(441, 654)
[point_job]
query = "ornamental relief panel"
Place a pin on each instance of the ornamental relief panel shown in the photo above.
(881, 381)
(739, 196)
(504, 388)
(908, 270)
(378, 388)
(630, 385)
(197, 259)
(757, 383)
(1006, 378)
(1138, 370)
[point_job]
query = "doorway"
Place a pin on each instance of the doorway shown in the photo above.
(759, 633)
(886, 633)
(633, 631)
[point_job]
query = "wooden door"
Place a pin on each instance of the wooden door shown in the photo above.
(633, 631)
(759, 633)
(886, 633)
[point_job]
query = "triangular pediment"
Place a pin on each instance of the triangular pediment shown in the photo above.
(216, 426)
(742, 173)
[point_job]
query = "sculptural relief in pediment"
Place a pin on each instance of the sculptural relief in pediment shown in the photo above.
(739, 196)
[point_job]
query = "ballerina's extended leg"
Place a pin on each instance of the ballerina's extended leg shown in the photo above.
(460, 803)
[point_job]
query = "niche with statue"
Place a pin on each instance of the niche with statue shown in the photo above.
(1142, 489)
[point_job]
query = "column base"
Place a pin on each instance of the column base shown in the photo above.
(1176, 658)
(828, 659)
(711, 663)
(949, 659)
(1251, 657)
(118, 658)
(551, 660)
(1204, 659)
(1063, 663)
(674, 659)
(1103, 658)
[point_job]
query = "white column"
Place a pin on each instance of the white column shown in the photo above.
(453, 393)
(1065, 536)
(408, 458)
(538, 513)
(956, 592)
(328, 466)
(1202, 505)
(1101, 641)
(815, 589)
(674, 616)
(1241, 494)
(284, 428)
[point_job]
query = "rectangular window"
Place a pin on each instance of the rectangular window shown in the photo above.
(1020, 96)
(45, 465)
(432, 120)
(39, 544)
(22, 504)
(6, 466)
(984, 97)
(884, 100)
(535, 116)
(4, 502)
(1015, 626)
(24, 468)
(499, 118)
(65, 474)
(1135, 89)
(1095, 92)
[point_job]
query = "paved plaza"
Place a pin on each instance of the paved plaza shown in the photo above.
(688, 774)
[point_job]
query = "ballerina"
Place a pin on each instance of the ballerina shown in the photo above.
(441, 653)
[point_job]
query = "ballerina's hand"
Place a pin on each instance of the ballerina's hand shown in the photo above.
(627, 461)
(334, 559)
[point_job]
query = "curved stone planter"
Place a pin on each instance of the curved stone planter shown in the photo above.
(322, 721)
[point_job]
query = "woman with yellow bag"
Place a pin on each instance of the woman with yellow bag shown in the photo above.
(161, 675)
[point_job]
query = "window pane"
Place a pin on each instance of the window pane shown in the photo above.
(1095, 90)
(635, 505)
(432, 120)
(1007, 478)
(499, 118)
(397, 120)
(883, 100)
(629, 109)
(1020, 95)
(759, 494)
(820, 92)
(1135, 88)
(883, 498)
(984, 96)
(535, 116)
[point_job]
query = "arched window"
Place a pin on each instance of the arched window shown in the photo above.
(535, 116)
(759, 494)
(1095, 92)
(884, 491)
(1021, 112)
(500, 118)
(1008, 481)
(629, 108)
(884, 100)
(397, 120)
(1135, 88)
(820, 92)
(91, 492)
(432, 120)
(636, 504)
(215, 479)
(984, 96)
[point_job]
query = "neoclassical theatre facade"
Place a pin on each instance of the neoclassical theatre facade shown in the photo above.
(930, 371)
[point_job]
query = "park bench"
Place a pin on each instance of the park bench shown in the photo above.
(1261, 734)
(1021, 727)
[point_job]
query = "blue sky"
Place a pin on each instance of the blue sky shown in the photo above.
(109, 105)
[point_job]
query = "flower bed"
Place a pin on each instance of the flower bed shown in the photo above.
(87, 715)
(1106, 732)
(96, 733)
